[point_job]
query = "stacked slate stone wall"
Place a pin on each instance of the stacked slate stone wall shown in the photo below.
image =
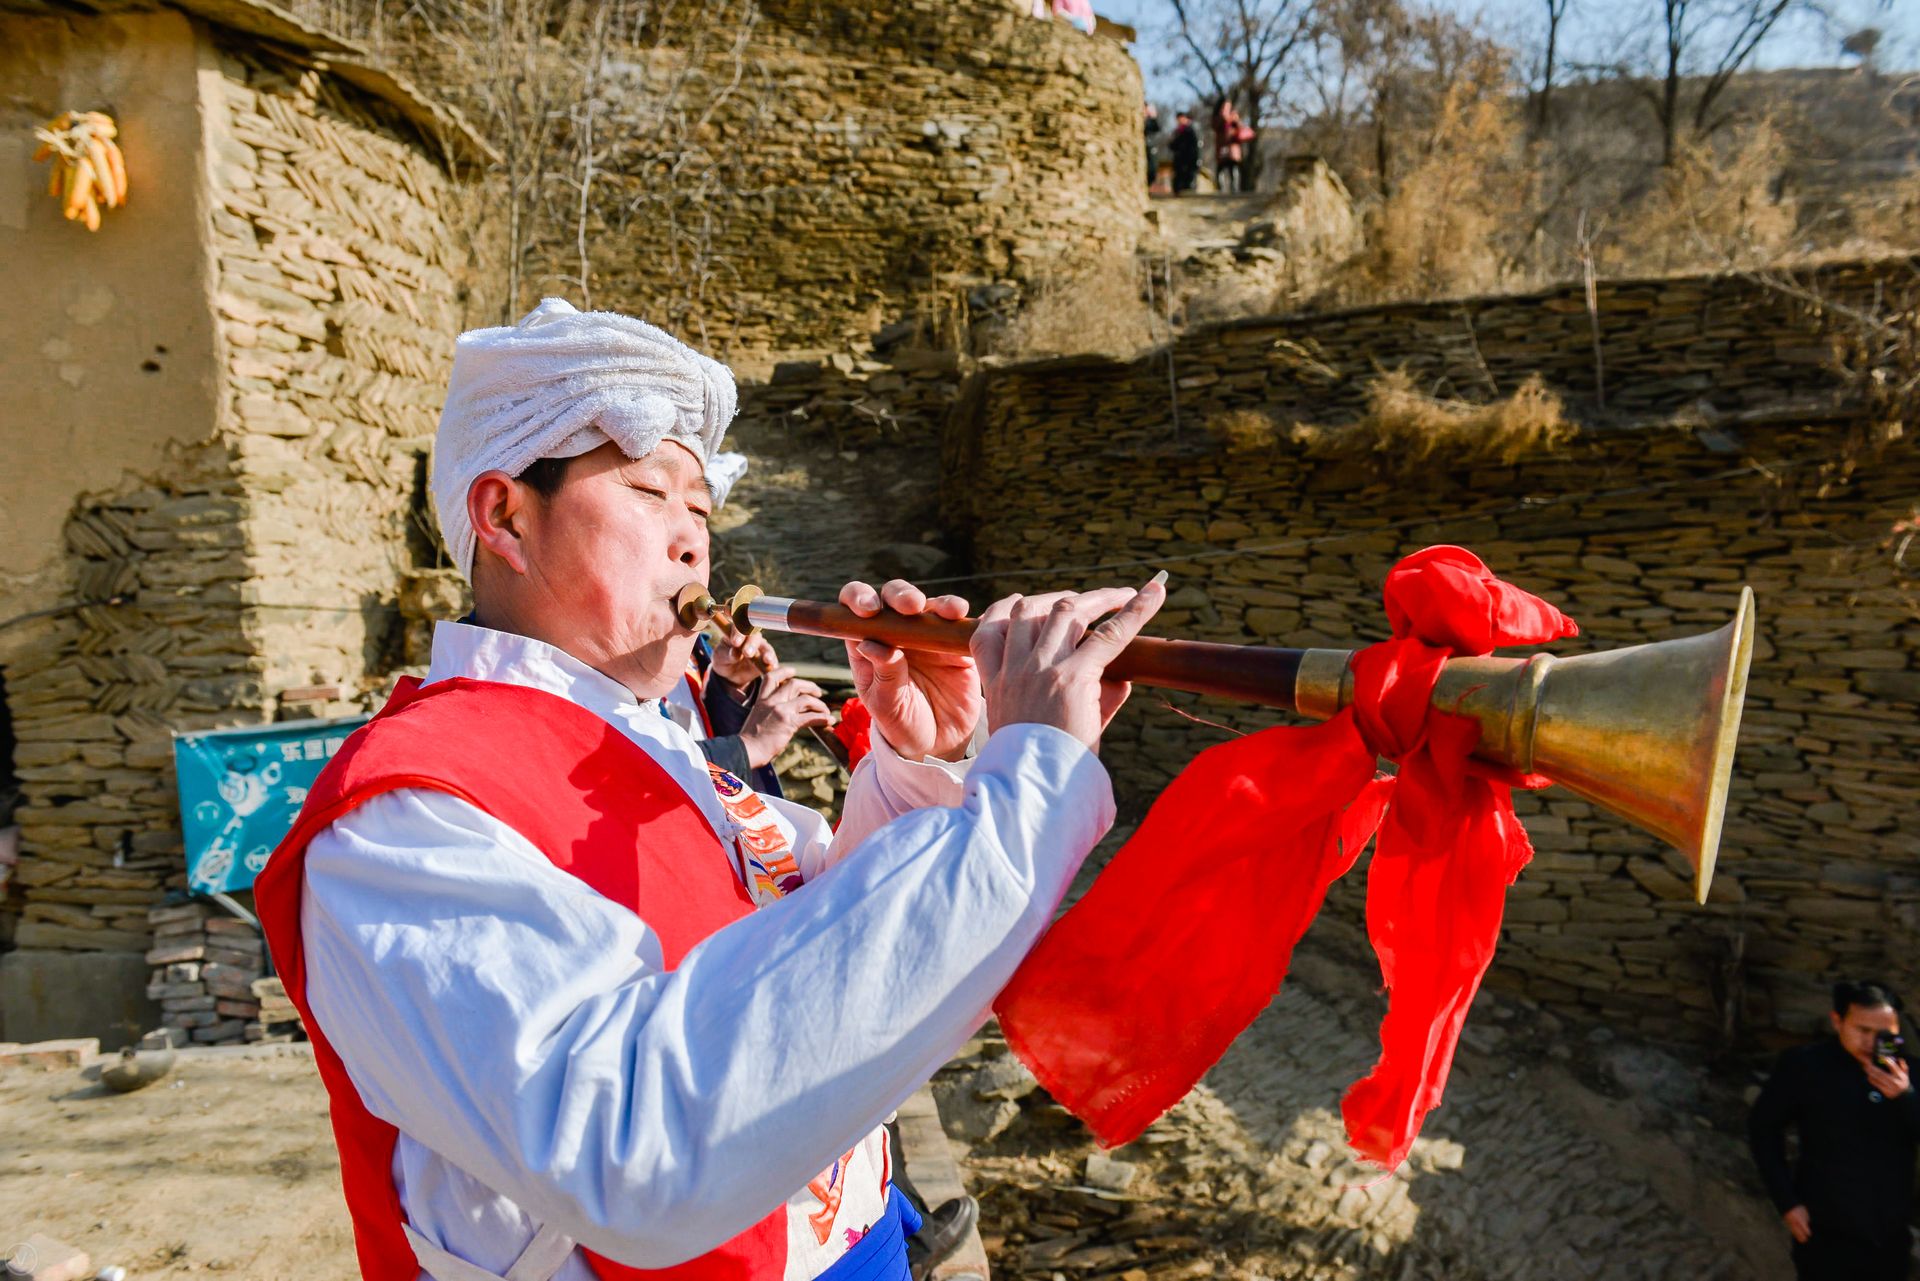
(256, 577)
(1731, 468)
(95, 699)
(338, 304)
(883, 162)
(844, 481)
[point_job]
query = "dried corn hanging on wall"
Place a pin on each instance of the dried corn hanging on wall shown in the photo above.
(89, 173)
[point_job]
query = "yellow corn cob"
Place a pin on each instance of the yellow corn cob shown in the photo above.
(117, 167)
(79, 187)
(103, 170)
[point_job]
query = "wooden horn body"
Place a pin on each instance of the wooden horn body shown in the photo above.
(1646, 732)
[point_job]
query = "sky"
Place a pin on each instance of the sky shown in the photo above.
(1591, 25)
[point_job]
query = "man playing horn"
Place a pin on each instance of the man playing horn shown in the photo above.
(586, 1006)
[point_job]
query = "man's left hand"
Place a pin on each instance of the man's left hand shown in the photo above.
(924, 704)
(740, 665)
(1892, 1082)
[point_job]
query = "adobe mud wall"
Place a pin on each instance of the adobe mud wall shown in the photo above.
(249, 571)
(108, 356)
(1642, 527)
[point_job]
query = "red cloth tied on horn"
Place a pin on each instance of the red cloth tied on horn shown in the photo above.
(854, 729)
(1186, 936)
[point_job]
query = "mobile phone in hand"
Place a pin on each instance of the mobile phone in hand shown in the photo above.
(1886, 1048)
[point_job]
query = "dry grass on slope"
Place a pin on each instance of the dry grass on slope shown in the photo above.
(1716, 208)
(1409, 426)
(1102, 311)
(1403, 426)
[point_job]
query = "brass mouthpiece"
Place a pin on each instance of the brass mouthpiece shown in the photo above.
(694, 605)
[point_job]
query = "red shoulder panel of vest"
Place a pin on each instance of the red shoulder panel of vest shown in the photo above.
(577, 788)
(589, 799)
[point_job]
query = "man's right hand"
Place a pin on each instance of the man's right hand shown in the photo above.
(785, 705)
(1041, 661)
(1798, 1224)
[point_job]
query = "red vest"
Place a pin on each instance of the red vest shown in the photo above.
(590, 800)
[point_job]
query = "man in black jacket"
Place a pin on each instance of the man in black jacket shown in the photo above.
(1847, 1199)
(749, 715)
(1185, 149)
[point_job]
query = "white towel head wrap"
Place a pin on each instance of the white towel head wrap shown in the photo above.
(562, 383)
(723, 472)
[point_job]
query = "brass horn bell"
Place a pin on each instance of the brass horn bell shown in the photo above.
(1646, 732)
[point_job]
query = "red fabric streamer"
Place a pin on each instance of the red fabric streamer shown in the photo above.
(1186, 936)
(854, 729)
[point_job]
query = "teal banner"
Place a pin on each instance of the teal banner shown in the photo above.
(239, 792)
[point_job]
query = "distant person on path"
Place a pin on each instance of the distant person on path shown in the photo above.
(1150, 130)
(1078, 13)
(1230, 138)
(1185, 150)
(1847, 1199)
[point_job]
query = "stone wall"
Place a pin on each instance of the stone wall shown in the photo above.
(251, 574)
(1642, 527)
(338, 305)
(98, 695)
(1701, 350)
(844, 481)
(889, 160)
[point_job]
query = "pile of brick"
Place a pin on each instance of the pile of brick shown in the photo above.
(278, 1020)
(204, 967)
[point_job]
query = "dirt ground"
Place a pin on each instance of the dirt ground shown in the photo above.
(224, 1166)
(1598, 1158)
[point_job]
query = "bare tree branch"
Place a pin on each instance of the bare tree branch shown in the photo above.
(604, 112)
(1245, 50)
(1756, 23)
(1556, 14)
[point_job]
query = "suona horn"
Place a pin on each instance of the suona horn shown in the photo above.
(1646, 732)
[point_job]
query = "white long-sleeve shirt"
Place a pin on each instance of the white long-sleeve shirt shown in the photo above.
(543, 1067)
